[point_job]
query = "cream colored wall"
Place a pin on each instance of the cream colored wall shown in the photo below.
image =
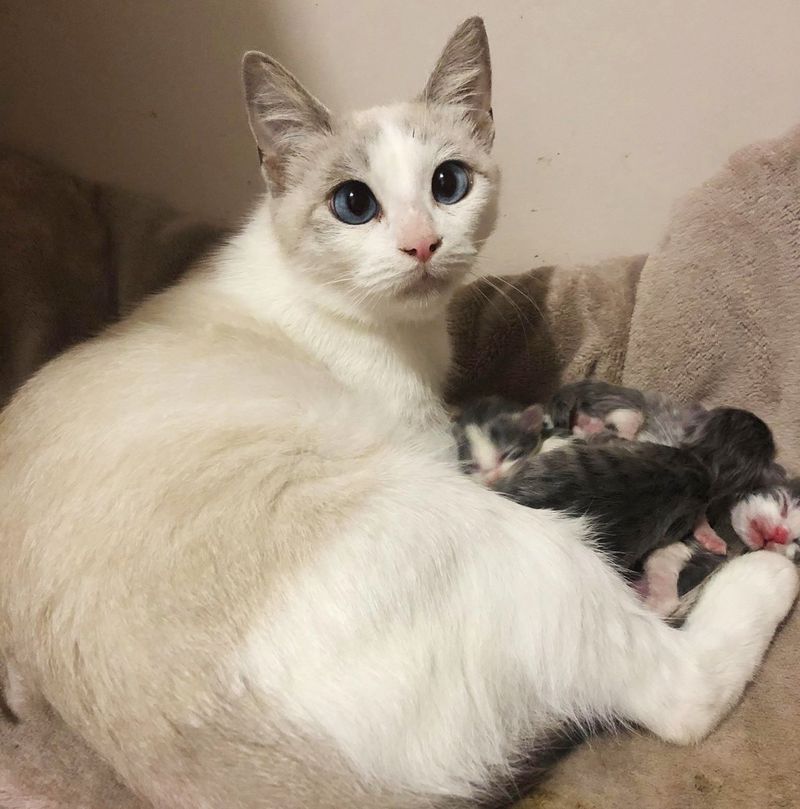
(606, 110)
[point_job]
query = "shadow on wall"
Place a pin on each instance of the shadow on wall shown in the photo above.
(144, 94)
(606, 112)
(147, 94)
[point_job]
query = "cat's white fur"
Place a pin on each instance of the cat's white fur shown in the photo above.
(238, 555)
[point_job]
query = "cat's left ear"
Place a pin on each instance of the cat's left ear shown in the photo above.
(463, 77)
(531, 419)
(282, 114)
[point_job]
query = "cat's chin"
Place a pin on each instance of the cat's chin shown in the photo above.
(426, 284)
(424, 298)
(419, 306)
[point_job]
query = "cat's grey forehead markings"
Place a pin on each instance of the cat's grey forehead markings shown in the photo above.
(290, 124)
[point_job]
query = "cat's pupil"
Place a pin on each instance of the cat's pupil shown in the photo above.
(445, 182)
(358, 199)
(354, 203)
(450, 182)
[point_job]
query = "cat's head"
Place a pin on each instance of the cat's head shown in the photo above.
(494, 436)
(383, 211)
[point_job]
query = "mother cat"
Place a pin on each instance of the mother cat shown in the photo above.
(236, 555)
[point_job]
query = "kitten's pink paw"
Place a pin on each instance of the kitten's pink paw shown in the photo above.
(587, 425)
(710, 539)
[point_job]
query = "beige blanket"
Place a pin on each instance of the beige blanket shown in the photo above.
(711, 318)
(74, 255)
(523, 336)
(714, 320)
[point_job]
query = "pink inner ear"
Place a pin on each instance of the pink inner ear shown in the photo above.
(531, 419)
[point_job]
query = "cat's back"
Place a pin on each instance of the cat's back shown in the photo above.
(181, 359)
(185, 421)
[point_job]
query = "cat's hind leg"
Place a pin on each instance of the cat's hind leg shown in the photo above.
(702, 669)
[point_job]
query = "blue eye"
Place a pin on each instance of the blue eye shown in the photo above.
(353, 203)
(450, 183)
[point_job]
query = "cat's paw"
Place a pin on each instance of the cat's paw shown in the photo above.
(755, 590)
(727, 634)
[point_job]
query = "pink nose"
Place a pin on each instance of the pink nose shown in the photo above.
(493, 476)
(423, 248)
(779, 534)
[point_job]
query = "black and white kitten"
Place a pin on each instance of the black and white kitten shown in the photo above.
(494, 435)
(766, 518)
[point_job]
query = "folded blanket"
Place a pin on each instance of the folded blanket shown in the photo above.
(714, 321)
(524, 336)
(719, 302)
(74, 255)
(54, 290)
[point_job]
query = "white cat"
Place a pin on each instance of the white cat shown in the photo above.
(237, 555)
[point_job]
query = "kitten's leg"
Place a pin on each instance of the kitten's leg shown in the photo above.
(709, 538)
(686, 688)
(586, 425)
(661, 570)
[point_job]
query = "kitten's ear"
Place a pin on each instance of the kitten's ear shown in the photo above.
(531, 419)
(463, 76)
(282, 114)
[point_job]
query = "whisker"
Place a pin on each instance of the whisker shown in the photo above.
(526, 296)
(517, 310)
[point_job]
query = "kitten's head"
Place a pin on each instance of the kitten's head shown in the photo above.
(770, 518)
(495, 435)
(381, 211)
(736, 446)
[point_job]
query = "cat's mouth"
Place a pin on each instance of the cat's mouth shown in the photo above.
(425, 284)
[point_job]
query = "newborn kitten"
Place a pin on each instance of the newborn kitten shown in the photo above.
(733, 450)
(766, 518)
(770, 518)
(739, 450)
(592, 406)
(494, 435)
(638, 496)
(641, 496)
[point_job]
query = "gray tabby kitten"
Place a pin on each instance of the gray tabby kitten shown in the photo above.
(591, 406)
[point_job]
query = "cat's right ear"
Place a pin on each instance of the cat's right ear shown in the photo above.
(463, 77)
(282, 114)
